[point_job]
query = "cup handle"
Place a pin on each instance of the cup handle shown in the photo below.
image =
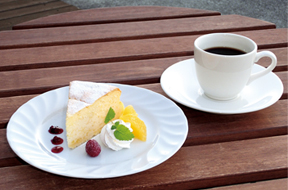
(259, 55)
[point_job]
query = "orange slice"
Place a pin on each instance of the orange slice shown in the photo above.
(138, 126)
(122, 106)
(129, 110)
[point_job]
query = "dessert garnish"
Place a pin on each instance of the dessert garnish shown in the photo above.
(55, 130)
(139, 128)
(122, 132)
(117, 135)
(57, 149)
(57, 140)
(110, 115)
(93, 149)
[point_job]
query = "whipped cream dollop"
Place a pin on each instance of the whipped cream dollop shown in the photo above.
(108, 138)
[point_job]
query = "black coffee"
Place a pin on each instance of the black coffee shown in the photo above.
(225, 51)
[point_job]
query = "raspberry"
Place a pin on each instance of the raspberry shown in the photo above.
(93, 149)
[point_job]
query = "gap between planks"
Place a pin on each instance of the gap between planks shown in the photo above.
(114, 15)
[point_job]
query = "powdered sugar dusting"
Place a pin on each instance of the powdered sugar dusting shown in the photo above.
(75, 105)
(85, 93)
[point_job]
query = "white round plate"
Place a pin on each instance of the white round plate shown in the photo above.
(179, 81)
(28, 136)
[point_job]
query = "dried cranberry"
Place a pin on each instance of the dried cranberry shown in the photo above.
(55, 130)
(57, 140)
(93, 149)
(57, 149)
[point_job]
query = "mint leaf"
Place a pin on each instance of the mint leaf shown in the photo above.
(110, 115)
(122, 133)
(115, 125)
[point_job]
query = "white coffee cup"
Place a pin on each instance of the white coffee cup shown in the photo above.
(223, 77)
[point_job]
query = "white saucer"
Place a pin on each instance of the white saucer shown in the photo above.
(179, 81)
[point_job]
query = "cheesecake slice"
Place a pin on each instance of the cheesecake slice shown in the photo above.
(88, 105)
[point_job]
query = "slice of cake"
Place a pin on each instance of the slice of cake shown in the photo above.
(87, 108)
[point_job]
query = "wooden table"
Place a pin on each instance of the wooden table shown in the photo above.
(134, 45)
(13, 12)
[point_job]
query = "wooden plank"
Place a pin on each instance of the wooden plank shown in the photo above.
(20, 3)
(135, 72)
(92, 53)
(7, 156)
(5, 1)
(213, 128)
(128, 31)
(276, 184)
(113, 15)
(191, 167)
(8, 23)
(31, 9)
(40, 80)
(284, 77)
(11, 104)
(280, 53)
